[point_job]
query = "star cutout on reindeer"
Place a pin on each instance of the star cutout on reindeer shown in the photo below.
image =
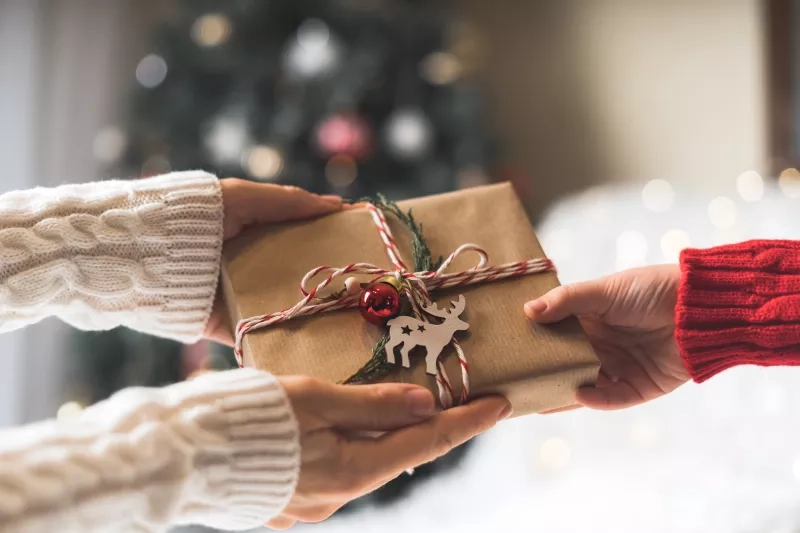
(434, 337)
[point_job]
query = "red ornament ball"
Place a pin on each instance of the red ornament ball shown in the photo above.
(344, 134)
(378, 303)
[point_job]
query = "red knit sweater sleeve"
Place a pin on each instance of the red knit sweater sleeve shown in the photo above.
(739, 305)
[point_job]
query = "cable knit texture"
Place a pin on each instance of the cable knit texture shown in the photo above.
(220, 451)
(139, 253)
(739, 305)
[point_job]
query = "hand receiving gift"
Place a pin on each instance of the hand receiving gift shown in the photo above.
(630, 319)
(656, 327)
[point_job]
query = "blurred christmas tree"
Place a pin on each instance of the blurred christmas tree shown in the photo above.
(352, 97)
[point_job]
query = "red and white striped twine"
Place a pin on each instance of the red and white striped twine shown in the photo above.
(424, 282)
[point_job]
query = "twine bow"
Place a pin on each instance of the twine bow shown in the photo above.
(417, 285)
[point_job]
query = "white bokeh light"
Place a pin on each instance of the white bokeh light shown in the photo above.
(227, 138)
(646, 433)
(672, 242)
(728, 236)
(774, 400)
(409, 134)
(554, 454)
(314, 52)
(658, 196)
(631, 250)
(151, 71)
(722, 212)
(108, 144)
(69, 411)
(559, 245)
(264, 162)
(750, 186)
(772, 228)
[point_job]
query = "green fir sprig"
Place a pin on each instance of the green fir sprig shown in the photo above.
(378, 366)
(423, 259)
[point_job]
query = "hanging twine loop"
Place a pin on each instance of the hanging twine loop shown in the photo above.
(417, 286)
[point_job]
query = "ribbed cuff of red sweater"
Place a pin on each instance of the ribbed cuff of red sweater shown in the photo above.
(739, 305)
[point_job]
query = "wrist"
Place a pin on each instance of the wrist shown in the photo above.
(191, 219)
(246, 448)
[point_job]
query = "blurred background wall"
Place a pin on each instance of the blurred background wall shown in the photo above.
(588, 92)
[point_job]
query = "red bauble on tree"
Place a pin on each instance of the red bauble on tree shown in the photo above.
(344, 134)
(379, 302)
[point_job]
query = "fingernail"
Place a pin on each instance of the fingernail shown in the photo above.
(535, 307)
(332, 198)
(505, 413)
(420, 402)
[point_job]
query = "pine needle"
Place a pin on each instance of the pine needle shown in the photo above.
(378, 366)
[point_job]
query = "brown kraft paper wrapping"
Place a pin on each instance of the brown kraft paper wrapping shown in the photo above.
(536, 367)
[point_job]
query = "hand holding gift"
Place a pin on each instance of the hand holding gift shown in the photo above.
(337, 466)
(245, 204)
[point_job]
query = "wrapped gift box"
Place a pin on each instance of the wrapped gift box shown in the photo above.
(536, 367)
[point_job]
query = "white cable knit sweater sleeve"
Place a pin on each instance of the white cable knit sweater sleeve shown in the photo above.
(139, 253)
(220, 451)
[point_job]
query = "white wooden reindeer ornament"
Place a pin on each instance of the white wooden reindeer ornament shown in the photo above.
(409, 333)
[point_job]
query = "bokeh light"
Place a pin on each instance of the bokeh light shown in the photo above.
(341, 171)
(722, 212)
(789, 182)
(672, 243)
(314, 52)
(156, 165)
(227, 138)
(151, 71)
(631, 250)
(646, 433)
(554, 454)
(109, 144)
(658, 196)
(774, 400)
(264, 162)
(69, 411)
(211, 30)
(559, 245)
(440, 68)
(409, 134)
(750, 186)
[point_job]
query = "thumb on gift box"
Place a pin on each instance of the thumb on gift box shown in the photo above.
(378, 408)
(247, 203)
(583, 298)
